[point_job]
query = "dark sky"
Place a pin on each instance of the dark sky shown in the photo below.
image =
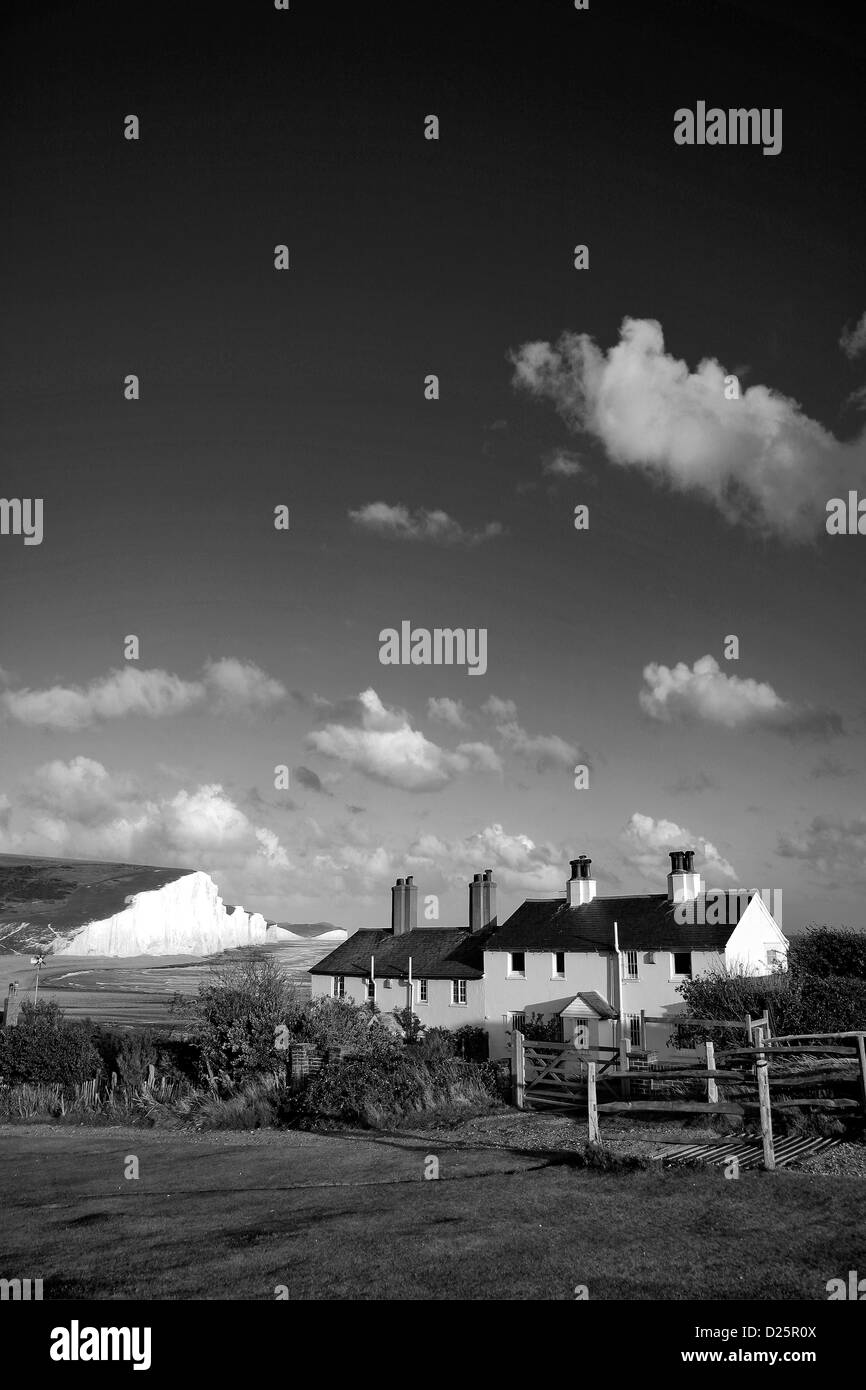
(305, 388)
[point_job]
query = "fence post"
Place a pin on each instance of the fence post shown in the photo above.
(623, 1066)
(712, 1087)
(764, 1100)
(11, 1007)
(749, 1028)
(861, 1051)
(592, 1104)
(517, 1067)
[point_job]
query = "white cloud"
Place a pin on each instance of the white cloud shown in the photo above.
(704, 692)
(381, 743)
(228, 686)
(240, 686)
(519, 863)
(648, 840)
(451, 712)
(549, 752)
(853, 340)
(78, 808)
(399, 523)
(759, 459)
(562, 463)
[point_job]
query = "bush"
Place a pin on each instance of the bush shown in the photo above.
(237, 1015)
(411, 1025)
(472, 1044)
(437, 1044)
(797, 1002)
(539, 1028)
(329, 1023)
(376, 1090)
(44, 1048)
(827, 952)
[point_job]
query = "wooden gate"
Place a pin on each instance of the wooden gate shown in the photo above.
(553, 1075)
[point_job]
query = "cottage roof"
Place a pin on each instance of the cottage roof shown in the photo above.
(437, 953)
(644, 923)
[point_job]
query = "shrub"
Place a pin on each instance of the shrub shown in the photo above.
(437, 1044)
(330, 1023)
(472, 1044)
(828, 951)
(410, 1023)
(375, 1090)
(539, 1028)
(797, 1002)
(237, 1014)
(44, 1048)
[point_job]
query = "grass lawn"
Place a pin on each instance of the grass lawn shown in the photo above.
(345, 1217)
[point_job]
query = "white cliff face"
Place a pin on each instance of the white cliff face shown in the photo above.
(186, 917)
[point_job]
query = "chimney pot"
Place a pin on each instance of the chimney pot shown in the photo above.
(482, 900)
(676, 861)
(688, 861)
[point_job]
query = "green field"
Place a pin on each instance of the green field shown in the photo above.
(352, 1217)
(136, 991)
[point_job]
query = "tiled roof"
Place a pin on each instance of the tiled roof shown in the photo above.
(437, 953)
(644, 924)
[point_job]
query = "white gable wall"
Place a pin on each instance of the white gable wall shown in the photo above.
(755, 934)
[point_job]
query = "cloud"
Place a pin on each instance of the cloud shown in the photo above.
(311, 780)
(759, 459)
(227, 686)
(519, 863)
(451, 712)
(831, 847)
(693, 783)
(830, 767)
(562, 463)
(704, 693)
(648, 841)
(79, 808)
(398, 523)
(381, 744)
(549, 752)
(853, 340)
(241, 686)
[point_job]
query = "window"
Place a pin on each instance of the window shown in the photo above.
(518, 1022)
(632, 1022)
(458, 991)
(422, 992)
(631, 965)
(371, 991)
(773, 957)
(517, 964)
(338, 987)
(559, 965)
(386, 984)
(682, 962)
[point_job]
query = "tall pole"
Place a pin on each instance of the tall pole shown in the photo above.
(410, 985)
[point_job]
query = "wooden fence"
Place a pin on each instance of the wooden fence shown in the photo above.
(559, 1076)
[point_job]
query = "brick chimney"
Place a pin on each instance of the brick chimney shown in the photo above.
(580, 888)
(404, 906)
(684, 884)
(482, 900)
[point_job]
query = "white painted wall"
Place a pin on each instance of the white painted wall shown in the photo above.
(438, 1012)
